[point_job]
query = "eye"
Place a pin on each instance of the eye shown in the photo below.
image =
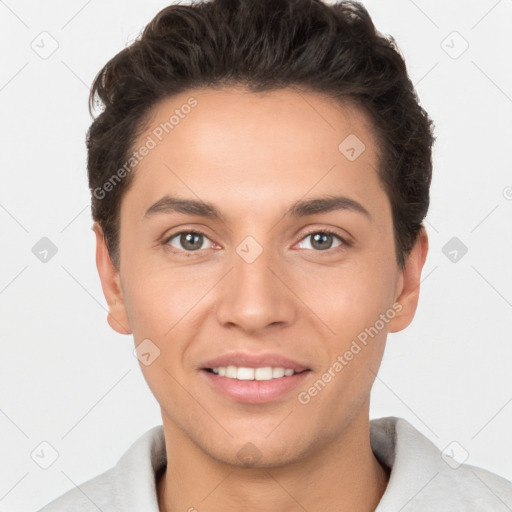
(188, 241)
(322, 240)
(193, 241)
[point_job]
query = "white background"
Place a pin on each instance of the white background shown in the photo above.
(68, 379)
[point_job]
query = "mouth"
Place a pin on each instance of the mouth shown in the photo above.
(254, 379)
(246, 373)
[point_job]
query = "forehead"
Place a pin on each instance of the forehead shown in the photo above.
(218, 118)
(256, 148)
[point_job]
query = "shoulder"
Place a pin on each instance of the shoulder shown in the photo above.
(424, 478)
(130, 483)
(92, 495)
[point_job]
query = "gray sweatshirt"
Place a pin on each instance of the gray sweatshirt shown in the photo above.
(422, 478)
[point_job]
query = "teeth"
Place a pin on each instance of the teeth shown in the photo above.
(243, 373)
(278, 372)
(231, 372)
(263, 373)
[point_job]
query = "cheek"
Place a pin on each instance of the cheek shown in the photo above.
(350, 306)
(144, 306)
(349, 299)
(157, 297)
(158, 310)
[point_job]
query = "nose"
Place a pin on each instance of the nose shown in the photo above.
(256, 295)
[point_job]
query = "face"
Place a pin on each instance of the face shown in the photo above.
(256, 235)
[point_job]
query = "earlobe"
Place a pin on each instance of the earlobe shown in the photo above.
(112, 319)
(409, 283)
(117, 317)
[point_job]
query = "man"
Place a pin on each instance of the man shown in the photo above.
(259, 177)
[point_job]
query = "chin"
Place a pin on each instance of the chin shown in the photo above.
(256, 452)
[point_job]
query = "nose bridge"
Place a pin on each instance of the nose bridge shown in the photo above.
(253, 296)
(252, 263)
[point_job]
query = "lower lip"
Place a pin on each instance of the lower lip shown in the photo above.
(255, 391)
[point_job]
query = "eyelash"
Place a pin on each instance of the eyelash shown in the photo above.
(344, 242)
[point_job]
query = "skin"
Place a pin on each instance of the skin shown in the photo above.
(252, 155)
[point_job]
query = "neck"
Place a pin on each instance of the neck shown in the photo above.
(343, 475)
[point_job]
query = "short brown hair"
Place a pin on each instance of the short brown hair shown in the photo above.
(263, 45)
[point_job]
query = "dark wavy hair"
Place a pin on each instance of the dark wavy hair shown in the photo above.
(263, 45)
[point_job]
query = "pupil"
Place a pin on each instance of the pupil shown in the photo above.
(322, 237)
(188, 239)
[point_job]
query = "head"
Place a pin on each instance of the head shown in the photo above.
(242, 122)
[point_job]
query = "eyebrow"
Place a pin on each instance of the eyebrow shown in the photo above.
(301, 208)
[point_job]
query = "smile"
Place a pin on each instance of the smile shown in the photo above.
(244, 373)
(255, 385)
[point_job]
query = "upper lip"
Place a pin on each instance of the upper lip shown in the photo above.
(246, 360)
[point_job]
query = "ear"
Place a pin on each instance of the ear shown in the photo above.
(111, 284)
(408, 286)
